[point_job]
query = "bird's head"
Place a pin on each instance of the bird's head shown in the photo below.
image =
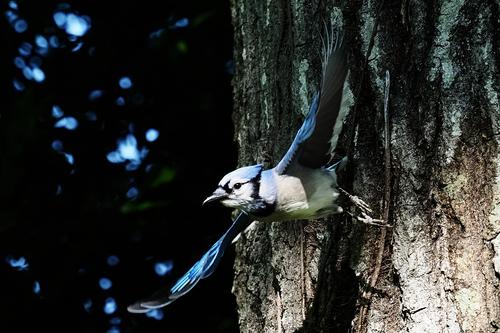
(239, 188)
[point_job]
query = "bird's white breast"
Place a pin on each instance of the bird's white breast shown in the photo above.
(306, 193)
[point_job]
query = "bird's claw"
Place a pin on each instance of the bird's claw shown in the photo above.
(367, 219)
(365, 210)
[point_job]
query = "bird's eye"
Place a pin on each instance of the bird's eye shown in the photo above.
(237, 186)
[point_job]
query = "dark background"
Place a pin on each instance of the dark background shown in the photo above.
(66, 207)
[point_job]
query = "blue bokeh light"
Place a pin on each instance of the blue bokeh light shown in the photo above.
(20, 264)
(155, 314)
(128, 148)
(18, 85)
(54, 41)
(95, 94)
(77, 47)
(87, 305)
(69, 123)
(105, 283)
(60, 19)
(113, 329)
(115, 321)
(115, 157)
(132, 165)
(20, 26)
(25, 49)
(69, 158)
(113, 260)
(109, 305)
(132, 193)
(125, 82)
(41, 41)
(57, 111)
(57, 145)
(11, 16)
(38, 74)
(77, 25)
(120, 101)
(152, 134)
(157, 33)
(13, 5)
(74, 25)
(36, 287)
(19, 62)
(182, 23)
(28, 73)
(164, 267)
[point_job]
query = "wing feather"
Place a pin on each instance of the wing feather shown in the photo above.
(313, 142)
(202, 269)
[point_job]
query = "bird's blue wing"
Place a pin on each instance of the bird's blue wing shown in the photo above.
(319, 132)
(202, 269)
(303, 134)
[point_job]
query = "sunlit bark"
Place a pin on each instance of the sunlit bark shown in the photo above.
(437, 272)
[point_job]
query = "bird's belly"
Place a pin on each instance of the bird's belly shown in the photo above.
(307, 198)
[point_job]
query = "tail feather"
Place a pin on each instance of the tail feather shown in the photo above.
(201, 270)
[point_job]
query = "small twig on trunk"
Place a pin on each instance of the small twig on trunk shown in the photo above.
(302, 270)
(367, 294)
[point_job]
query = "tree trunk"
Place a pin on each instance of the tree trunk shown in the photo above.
(436, 270)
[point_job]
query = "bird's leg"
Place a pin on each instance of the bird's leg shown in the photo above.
(367, 219)
(365, 210)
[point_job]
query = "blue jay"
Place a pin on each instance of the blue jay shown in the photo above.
(301, 186)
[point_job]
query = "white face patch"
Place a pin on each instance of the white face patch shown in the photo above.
(240, 197)
(240, 187)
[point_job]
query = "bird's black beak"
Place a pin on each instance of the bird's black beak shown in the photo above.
(218, 194)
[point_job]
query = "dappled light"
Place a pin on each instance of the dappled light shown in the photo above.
(125, 83)
(19, 264)
(69, 123)
(163, 268)
(108, 111)
(105, 283)
(113, 260)
(152, 134)
(155, 314)
(36, 287)
(110, 306)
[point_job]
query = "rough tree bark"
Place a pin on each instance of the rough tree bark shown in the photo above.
(440, 263)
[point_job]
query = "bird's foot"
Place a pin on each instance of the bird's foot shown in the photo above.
(365, 210)
(367, 219)
(357, 201)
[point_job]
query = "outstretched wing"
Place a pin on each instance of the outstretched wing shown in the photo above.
(316, 137)
(202, 269)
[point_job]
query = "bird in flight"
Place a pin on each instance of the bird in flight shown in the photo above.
(303, 185)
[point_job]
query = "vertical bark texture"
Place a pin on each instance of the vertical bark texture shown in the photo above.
(441, 261)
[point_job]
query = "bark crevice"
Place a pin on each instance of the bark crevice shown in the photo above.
(441, 262)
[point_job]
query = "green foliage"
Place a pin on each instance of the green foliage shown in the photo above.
(165, 176)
